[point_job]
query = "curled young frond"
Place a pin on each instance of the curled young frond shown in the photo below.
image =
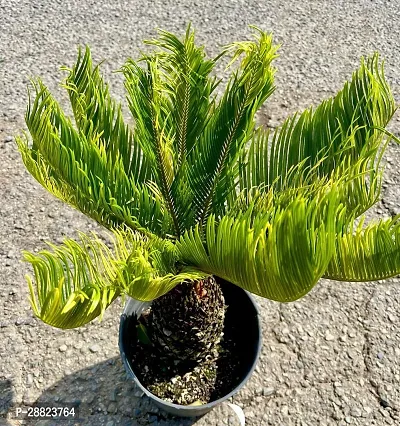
(366, 253)
(76, 281)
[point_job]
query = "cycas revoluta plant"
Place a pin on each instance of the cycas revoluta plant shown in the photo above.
(195, 190)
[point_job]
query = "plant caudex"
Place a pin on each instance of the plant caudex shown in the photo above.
(194, 188)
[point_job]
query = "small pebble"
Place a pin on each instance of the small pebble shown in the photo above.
(367, 409)
(339, 391)
(113, 395)
(62, 348)
(268, 391)
(380, 355)
(384, 412)
(94, 348)
(89, 398)
(112, 407)
(285, 410)
(329, 337)
(355, 412)
(8, 139)
(78, 345)
(138, 393)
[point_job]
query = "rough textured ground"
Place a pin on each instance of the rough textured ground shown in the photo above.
(331, 358)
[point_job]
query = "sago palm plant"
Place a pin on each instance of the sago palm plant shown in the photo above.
(194, 190)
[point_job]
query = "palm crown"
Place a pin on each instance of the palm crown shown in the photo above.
(194, 188)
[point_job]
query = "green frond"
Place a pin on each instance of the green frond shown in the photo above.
(154, 268)
(231, 125)
(75, 282)
(357, 187)
(279, 253)
(360, 182)
(188, 87)
(187, 84)
(82, 172)
(339, 132)
(96, 113)
(367, 253)
(150, 109)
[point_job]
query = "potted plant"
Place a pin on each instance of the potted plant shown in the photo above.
(204, 205)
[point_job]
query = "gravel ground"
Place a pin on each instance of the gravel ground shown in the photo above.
(331, 358)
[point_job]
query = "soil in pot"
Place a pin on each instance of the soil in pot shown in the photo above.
(187, 382)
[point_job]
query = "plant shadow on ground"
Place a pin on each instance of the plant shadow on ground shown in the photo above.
(103, 393)
(6, 399)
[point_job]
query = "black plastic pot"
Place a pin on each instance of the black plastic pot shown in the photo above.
(242, 315)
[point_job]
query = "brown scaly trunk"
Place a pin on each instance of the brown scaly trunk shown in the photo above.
(186, 325)
(188, 321)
